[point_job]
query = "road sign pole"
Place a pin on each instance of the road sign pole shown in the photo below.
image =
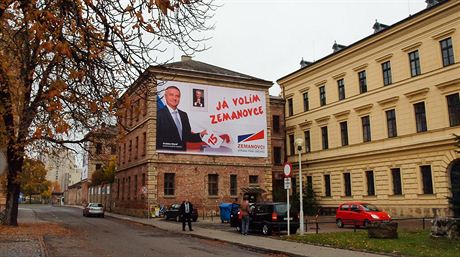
(288, 214)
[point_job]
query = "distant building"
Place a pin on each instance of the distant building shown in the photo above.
(233, 160)
(378, 117)
(59, 165)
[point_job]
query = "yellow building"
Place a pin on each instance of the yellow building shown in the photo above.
(378, 117)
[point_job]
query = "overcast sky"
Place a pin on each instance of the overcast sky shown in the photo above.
(268, 38)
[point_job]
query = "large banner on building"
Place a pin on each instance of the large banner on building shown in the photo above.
(211, 120)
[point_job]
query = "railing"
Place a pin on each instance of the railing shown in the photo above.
(315, 223)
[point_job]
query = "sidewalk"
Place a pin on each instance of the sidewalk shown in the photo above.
(204, 229)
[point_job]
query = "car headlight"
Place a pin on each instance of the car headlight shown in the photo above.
(375, 216)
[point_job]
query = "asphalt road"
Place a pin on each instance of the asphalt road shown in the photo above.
(104, 237)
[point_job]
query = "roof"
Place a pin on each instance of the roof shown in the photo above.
(440, 3)
(253, 190)
(189, 65)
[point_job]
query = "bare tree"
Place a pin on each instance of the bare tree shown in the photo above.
(63, 63)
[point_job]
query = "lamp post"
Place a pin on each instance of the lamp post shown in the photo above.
(299, 143)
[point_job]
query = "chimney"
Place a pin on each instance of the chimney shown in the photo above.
(379, 26)
(336, 47)
(430, 3)
(304, 63)
(186, 58)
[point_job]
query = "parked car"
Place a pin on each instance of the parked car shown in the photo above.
(359, 214)
(94, 209)
(267, 217)
(172, 213)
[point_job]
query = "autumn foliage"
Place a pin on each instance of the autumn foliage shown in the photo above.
(63, 63)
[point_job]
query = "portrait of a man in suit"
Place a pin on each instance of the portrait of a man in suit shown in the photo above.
(173, 125)
(198, 97)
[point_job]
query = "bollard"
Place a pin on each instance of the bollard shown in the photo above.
(317, 227)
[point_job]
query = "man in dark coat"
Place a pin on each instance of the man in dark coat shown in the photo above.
(173, 125)
(185, 211)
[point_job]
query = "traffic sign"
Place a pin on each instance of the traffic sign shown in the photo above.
(287, 183)
(287, 169)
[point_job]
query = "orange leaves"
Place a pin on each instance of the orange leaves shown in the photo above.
(164, 5)
(93, 107)
(62, 127)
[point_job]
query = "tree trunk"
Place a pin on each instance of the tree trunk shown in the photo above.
(15, 160)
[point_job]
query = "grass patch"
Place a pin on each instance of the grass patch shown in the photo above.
(417, 244)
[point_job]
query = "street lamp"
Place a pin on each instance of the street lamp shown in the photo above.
(299, 143)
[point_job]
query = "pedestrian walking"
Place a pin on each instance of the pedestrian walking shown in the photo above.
(245, 216)
(185, 211)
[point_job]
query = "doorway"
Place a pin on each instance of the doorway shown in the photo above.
(455, 188)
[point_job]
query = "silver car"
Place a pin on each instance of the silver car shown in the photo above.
(94, 209)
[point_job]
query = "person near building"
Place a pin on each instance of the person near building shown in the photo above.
(185, 212)
(245, 216)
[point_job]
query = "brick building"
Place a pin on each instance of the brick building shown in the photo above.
(378, 117)
(278, 140)
(206, 175)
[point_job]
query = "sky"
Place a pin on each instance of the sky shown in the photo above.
(268, 38)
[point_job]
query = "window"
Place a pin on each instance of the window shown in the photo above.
(324, 137)
(386, 70)
(129, 188)
(144, 143)
(277, 155)
(137, 109)
(447, 52)
(344, 132)
(347, 183)
(309, 183)
(118, 188)
(420, 116)
(322, 95)
(120, 156)
(290, 107)
(233, 185)
(143, 179)
(136, 148)
(362, 81)
(145, 105)
(327, 185)
(213, 186)
(130, 148)
(341, 88)
(131, 115)
(253, 179)
(124, 152)
(453, 106)
(99, 148)
(427, 181)
(135, 186)
(291, 145)
(169, 183)
(370, 182)
(113, 149)
(307, 141)
(391, 123)
(306, 105)
(396, 176)
(414, 61)
(98, 167)
(366, 124)
(123, 190)
(276, 123)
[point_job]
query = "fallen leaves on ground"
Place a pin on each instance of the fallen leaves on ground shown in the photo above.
(34, 229)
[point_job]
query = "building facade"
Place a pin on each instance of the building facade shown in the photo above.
(378, 118)
(148, 175)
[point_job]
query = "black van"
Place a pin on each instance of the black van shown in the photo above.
(268, 217)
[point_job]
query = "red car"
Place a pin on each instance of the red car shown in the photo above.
(359, 214)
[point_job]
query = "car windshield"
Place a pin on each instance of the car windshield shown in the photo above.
(370, 207)
(95, 205)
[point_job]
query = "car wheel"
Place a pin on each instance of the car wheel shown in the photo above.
(366, 223)
(266, 229)
(102, 215)
(339, 223)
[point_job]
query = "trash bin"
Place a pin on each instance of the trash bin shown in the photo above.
(225, 210)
